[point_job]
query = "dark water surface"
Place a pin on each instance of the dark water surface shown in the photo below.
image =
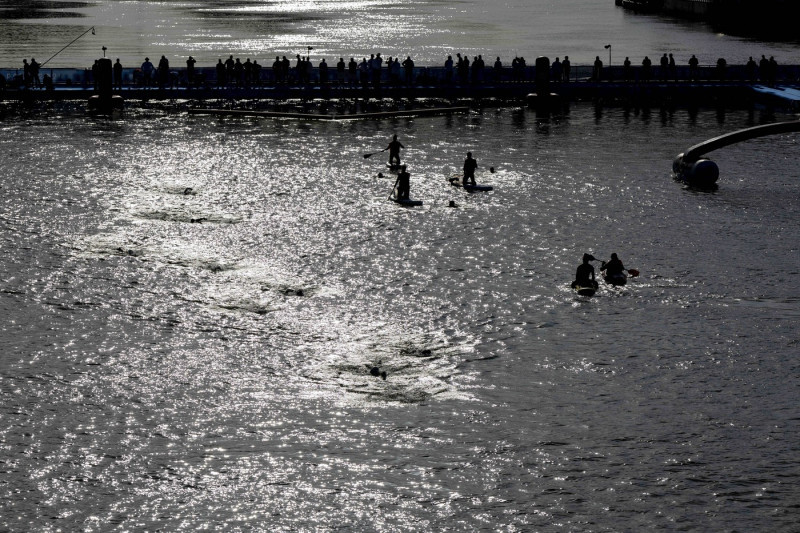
(159, 373)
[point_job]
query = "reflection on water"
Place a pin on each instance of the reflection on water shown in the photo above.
(39, 9)
(192, 307)
(428, 31)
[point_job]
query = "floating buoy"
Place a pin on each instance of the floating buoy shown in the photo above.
(702, 173)
(375, 371)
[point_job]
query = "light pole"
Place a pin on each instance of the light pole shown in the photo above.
(608, 47)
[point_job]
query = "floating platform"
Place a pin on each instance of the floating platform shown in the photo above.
(340, 117)
(734, 86)
(788, 96)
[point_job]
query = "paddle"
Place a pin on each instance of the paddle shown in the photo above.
(394, 187)
(367, 156)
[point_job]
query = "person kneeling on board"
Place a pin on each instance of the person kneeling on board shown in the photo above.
(403, 184)
(584, 275)
(613, 267)
(469, 170)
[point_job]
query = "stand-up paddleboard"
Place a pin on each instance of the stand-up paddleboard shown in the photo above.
(617, 280)
(584, 290)
(457, 181)
(393, 168)
(408, 203)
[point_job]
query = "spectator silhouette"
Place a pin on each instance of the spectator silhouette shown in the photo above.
(693, 67)
(190, 71)
(118, 75)
(147, 72)
(163, 72)
(408, 66)
(220, 73)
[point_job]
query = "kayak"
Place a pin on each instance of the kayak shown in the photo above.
(585, 290)
(456, 182)
(617, 280)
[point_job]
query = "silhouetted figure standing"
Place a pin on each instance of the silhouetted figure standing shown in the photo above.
(352, 71)
(394, 151)
(396, 70)
(773, 70)
(147, 72)
(190, 72)
(323, 72)
(556, 69)
(664, 67)
(626, 69)
(673, 71)
(693, 67)
(35, 81)
(721, 68)
(377, 64)
(26, 73)
(118, 75)
(750, 69)
(763, 69)
(163, 72)
(646, 66)
(477, 69)
(277, 70)
(309, 70)
(363, 73)
(247, 66)
(598, 67)
(220, 73)
(565, 67)
(463, 71)
(448, 70)
(340, 70)
(238, 72)
(498, 69)
(408, 66)
(470, 165)
(285, 67)
(230, 70)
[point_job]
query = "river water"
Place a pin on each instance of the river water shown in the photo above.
(427, 30)
(190, 308)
